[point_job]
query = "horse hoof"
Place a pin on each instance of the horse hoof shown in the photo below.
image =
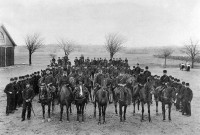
(49, 120)
(99, 123)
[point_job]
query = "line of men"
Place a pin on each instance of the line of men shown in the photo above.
(20, 92)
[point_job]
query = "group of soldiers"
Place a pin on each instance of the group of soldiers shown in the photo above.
(21, 91)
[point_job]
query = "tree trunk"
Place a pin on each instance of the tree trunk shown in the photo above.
(165, 62)
(30, 62)
(192, 63)
(111, 55)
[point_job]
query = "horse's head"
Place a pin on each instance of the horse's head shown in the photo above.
(43, 91)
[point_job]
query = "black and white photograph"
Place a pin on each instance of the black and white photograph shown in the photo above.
(99, 67)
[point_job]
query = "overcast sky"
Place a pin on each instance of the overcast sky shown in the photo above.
(142, 22)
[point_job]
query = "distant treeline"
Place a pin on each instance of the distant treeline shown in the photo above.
(182, 58)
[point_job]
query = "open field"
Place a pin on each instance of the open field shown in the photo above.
(179, 125)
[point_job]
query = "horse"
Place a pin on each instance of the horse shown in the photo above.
(45, 99)
(146, 97)
(101, 98)
(165, 95)
(122, 95)
(66, 98)
(81, 99)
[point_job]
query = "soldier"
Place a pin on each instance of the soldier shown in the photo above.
(141, 78)
(16, 89)
(28, 95)
(147, 73)
(20, 88)
(59, 61)
(137, 69)
(9, 90)
(187, 98)
(182, 89)
(164, 79)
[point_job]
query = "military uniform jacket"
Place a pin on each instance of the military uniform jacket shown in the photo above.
(28, 93)
(141, 79)
(48, 79)
(137, 70)
(188, 95)
(9, 88)
(164, 79)
(64, 80)
(147, 74)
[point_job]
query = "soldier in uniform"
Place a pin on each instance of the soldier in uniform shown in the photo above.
(164, 79)
(141, 78)
(28, 95)
(147, 73)
(187, 98)
(137, 69)
(9, 90)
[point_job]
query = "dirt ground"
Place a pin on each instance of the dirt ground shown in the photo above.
(179, 125)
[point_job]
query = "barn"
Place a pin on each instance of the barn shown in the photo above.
(7, 46)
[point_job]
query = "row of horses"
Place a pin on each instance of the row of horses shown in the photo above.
(120, 94)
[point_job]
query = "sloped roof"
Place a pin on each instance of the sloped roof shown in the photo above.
(10, 38)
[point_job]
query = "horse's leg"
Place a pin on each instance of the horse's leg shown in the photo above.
(120, 112)
(133, 107)
(163, 110)
(70, 107)
(49, 111)
(43, 111)
(61, 111)
(142, 105)
(67, 111)
(53, 104)
(138, 104)
(77, 107)
(82, 111)
(148, 104)
(170, 106)
(99, 114)
(125, 112)
(104, 114)
(95, 105)
(116, 107)
(156, 107)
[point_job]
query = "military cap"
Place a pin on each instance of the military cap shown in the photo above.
(146, 67)
(15, 78)
(175, 79)
(187, 84)
(164, 71)
(11, 79)
(183, 83)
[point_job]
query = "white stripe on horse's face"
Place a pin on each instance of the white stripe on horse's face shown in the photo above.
(81, 90)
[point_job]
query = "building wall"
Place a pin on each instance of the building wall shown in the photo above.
(6, 41)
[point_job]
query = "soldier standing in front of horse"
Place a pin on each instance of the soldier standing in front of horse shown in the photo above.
(187, 98)
(9, 90)
(28, 95)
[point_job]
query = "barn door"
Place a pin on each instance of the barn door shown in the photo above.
(9, 56)
(2, 57)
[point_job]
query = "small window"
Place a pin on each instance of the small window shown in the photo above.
(2, 40)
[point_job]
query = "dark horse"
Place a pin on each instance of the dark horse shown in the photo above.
(146, 97)
(165, 95)
(66, 98)
(45, 97)
(81, 99)
(122, 95)
(101, 97)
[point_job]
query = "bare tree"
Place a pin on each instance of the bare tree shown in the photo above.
(165, 53)
(114, 43)
(192, 50)
(66, 45)
(33, 43)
